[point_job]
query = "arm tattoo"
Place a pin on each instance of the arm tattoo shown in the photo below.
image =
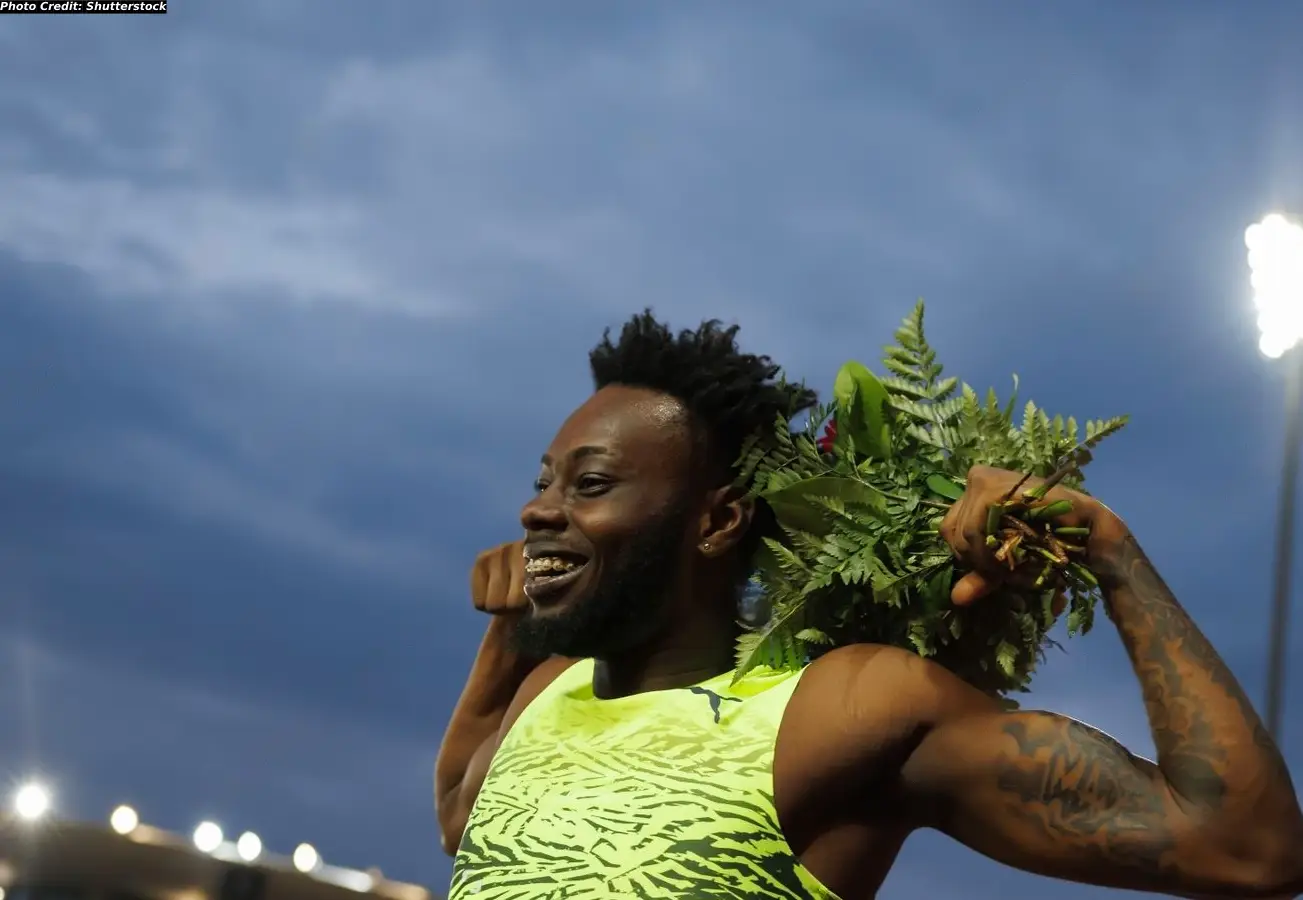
(1198, 712)
(1100, 810)
(1076, 785)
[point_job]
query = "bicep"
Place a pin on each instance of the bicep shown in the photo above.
(1048, 794)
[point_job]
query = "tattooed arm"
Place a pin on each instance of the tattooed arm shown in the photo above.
(1216, 816)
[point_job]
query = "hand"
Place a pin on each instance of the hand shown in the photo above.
(964, 529)
(498, 580)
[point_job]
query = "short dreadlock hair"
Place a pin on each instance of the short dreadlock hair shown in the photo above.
(729, 395)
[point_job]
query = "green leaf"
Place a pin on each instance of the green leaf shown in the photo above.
(1005, 657)
(859, 558)
(937, 590)
(813, 636)
(944, 487)
(1007, 414)
(773, 645)
(861, 413)
(795, 504)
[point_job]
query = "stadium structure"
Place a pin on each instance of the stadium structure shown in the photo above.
(43, 857)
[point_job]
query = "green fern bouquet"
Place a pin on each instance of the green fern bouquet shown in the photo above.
(861, 559)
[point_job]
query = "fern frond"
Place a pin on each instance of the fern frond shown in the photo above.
(860, 558)
(775, 645)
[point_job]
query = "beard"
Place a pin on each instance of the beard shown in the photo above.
(626, 607)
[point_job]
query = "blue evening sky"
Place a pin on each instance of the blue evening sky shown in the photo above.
(293, 294)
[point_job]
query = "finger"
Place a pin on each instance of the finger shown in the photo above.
(952, 527)
(1059, 604)
(516, 596)
(503, 576)
(480, 580)
(973, 587)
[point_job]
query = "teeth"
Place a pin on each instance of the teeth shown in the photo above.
(547, 565)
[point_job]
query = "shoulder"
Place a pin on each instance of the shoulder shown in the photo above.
(876, 696)
(858, 714)
(546, 672)
(852, 720)
(850, 701)
(865, 670)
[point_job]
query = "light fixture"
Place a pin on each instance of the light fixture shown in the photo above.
(353, 880)
(1276, 273)
(32, 801)
(208, 837)
(306, 858)
(249, 846)
(124, 820)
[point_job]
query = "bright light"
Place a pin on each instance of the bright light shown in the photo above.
(31, 801)
(306, 858)
(249, 846)
(124, 820)
(362, 882)
(208, 837)
(1276, 273)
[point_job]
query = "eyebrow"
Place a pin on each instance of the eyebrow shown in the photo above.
(580, 453)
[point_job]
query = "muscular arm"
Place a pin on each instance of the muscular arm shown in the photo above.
(1216, 816)
(501, 684)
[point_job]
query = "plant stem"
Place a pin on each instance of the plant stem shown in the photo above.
(1050, 510)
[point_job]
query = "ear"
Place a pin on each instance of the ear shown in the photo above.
(726, 518)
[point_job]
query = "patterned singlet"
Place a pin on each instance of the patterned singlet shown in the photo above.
(665, 794)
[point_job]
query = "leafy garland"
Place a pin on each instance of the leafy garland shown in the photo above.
(861, 559)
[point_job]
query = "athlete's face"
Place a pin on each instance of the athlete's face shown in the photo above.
(610, 526)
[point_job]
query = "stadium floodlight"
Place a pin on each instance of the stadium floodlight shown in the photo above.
(124, 820)
(249, 846)
(208, 837)
(1276, 274)
(32, 801)
(306, 858)
(362, 882)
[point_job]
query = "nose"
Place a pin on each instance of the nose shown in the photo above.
(543, 513)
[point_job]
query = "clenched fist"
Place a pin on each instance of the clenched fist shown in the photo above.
(965, 530)
(498, 580)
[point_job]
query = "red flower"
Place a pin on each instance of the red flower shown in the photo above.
(829, 435)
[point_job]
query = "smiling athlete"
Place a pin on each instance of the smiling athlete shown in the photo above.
(601, 751)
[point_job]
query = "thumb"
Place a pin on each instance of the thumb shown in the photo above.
(971, 588)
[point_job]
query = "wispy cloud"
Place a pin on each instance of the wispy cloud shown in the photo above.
(185, 483)
(185, 243)
(437, 183)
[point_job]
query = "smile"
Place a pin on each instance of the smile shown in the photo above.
(546, 576)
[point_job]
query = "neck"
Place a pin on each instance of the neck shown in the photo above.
(680, 657)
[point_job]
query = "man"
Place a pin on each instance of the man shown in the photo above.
(627, 764)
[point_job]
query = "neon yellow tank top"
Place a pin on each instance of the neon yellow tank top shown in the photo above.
(665, 794)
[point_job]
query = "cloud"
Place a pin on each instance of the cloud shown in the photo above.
(442, 183)
(186, 243)
(150, 470)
